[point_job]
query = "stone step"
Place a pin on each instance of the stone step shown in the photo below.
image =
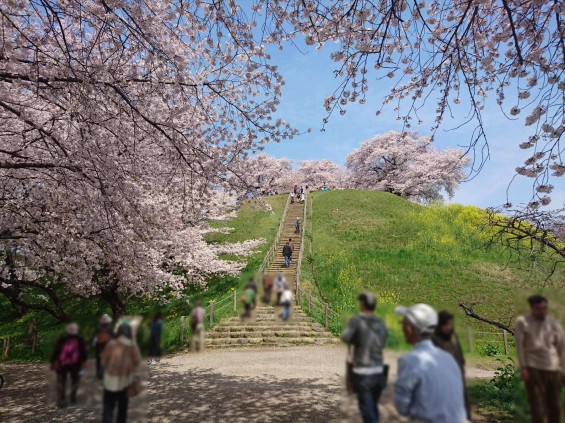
(269, 334)
(262, 328)
(271, 321)
(274, 341)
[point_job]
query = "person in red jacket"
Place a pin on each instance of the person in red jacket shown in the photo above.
(68, 358)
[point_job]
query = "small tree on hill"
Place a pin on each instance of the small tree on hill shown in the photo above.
(263, 173)
(407, 165)
(316, 173)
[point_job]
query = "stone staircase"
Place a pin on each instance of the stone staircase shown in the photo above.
(277, 265)
(265, 328)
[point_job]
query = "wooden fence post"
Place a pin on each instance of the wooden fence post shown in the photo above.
(326, 312)
(211, 314)
(181, 330)
(470, 339)
(505, 339)
(6, 348)
(234, 300)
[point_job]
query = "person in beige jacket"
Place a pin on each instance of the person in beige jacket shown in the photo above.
(540, 342)
(121, 359)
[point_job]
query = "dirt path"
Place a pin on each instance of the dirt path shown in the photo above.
(298, 384)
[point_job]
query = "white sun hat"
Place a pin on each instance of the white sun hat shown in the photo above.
(421, 316)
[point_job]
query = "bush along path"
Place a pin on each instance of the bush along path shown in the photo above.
(265, 328)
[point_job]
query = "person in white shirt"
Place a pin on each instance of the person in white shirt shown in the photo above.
(429, 386)
(286, 301)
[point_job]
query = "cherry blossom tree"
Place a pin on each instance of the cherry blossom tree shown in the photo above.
(119, 122)
(263, 173)
(317, 173)
(453, 54)
(407, 165)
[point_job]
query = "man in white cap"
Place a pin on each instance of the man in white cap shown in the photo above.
(429, 386)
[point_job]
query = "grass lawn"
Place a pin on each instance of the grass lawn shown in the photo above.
(251, 222)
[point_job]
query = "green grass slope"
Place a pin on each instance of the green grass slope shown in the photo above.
(251, 222)
(407, 253)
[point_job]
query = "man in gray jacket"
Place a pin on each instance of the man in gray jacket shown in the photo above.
(367, 333)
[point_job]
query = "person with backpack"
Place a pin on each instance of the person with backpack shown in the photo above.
(121, 359)
(249, 295)
(367, 334)
(287, 254)
(68, 358)
(155, 331)
(286, 301)
(101, 338)
(297, 226)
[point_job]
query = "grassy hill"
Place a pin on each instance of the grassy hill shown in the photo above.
(408, 253)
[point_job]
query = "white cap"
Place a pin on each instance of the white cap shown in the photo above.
(421, 316)
(105, 319)
(72, 329)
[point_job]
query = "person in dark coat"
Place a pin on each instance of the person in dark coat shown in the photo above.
(445, 338)
(101, 338)
(287, 254)
(155, 330)
(68, 358)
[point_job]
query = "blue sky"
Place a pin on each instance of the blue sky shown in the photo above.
(309, 79)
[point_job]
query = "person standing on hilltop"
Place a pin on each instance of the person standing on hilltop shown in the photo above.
(367, 334)
(540, 342)
(445, 338)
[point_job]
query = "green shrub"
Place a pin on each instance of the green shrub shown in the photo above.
(490, 350)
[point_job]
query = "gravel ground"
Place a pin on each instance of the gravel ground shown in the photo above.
(295, 384)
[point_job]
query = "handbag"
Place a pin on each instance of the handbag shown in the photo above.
(134, 388)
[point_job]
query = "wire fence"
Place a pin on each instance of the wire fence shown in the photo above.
(228, 306)
(269, 257)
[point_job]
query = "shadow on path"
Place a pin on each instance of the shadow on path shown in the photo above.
(205, 396)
